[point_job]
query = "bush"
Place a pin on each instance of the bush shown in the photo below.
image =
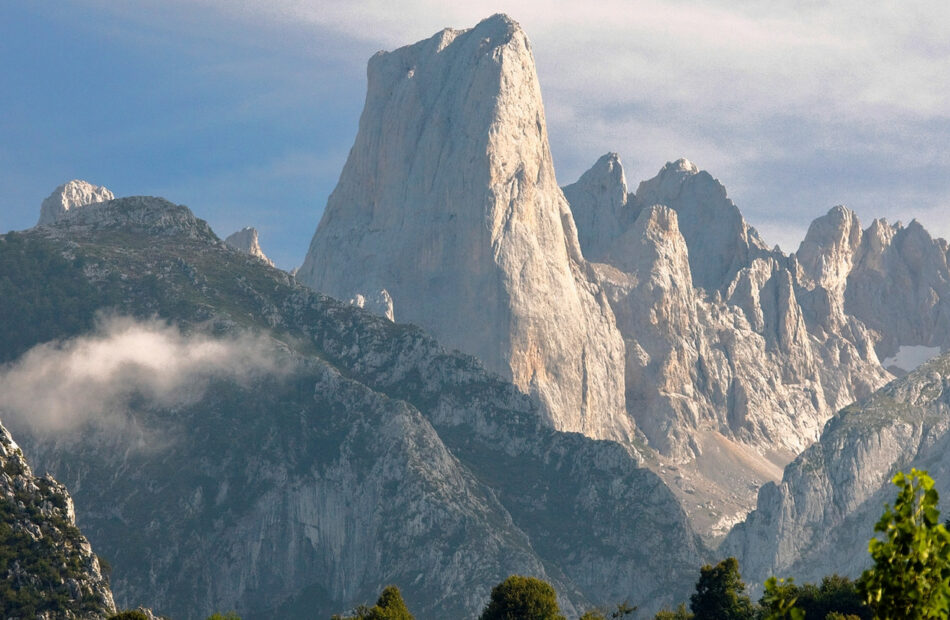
(522, 598)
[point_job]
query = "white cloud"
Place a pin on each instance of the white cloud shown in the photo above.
(99, 380)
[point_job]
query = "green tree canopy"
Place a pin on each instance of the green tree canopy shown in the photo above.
(680, 613)
(911, 573)
(129, 614)
(720, 593)
(522, 598)
(389, 606)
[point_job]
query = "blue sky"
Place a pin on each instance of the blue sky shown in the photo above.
(245, 110)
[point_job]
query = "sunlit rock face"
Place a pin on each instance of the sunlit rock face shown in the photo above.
(818, 519)
(736, 355)
(245, 240)
(71, 195)
(449, 202)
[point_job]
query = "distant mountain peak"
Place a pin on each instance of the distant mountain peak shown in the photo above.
(245, 240)
(71, 195)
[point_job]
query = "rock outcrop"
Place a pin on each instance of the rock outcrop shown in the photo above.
(720, 241)
(819, 518)
(47, 567)
(71, 195)
(599, 204)
(369, 455)
(449, 202)
(245, 240)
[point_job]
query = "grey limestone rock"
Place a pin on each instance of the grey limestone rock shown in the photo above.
(818, 519)
(71, 196)
(449, 202)
(245, 240)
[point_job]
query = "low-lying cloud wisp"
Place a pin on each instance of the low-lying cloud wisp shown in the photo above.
(93, 380)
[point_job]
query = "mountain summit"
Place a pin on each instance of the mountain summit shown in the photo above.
(71, 195)
(449, 202)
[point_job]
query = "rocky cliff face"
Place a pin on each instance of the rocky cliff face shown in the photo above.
(71, 195)
(47, 567)
(365, 455)
(449, 202)
(719, 240)
(818, 519)
(245, 240)
(730, 371)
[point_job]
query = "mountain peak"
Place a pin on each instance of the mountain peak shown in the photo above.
(449, 201)
(498, 24)
(245, 240)
(597, 202)
(71, 195)
(719, 240)
(681, 165)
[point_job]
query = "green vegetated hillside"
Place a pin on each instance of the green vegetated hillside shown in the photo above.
(47, 568)
(326, 453)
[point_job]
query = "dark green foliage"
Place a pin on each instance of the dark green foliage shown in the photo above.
(228, 616)
(623, 610)
(389, 606)
(778, 602)
(34, 574)
(680, 613)
(129, 614)
(720, 593)
(835, 594)
(911, 573)
(522, 598)
(43, 294)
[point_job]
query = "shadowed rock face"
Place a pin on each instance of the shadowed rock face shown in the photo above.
(68, 196)
(368, 456)
(449, 202)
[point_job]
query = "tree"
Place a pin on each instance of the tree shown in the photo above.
(778, 601)
(623, 610)
(680, 613)
(129, 614)
(911, 573)
(720, 593)
(389, 606)
(522, 598)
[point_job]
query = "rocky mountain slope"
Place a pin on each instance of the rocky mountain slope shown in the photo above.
(449, 203)
(47, 567)
(304, 452)
(818, 519)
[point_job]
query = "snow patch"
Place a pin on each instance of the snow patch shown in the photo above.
(910, 357)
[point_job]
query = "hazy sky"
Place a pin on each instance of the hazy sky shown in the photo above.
(244, 110)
